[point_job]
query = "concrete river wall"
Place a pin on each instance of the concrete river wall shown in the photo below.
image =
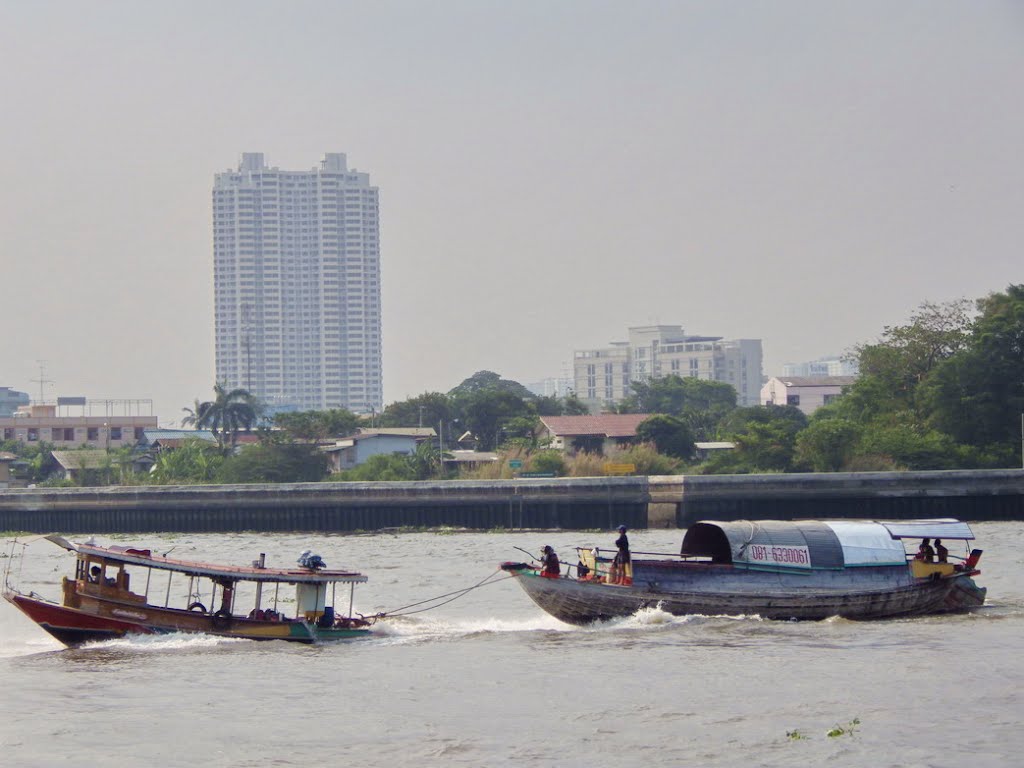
(568, 503)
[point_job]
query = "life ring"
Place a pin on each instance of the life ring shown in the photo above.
(198, 607)
(222, 619)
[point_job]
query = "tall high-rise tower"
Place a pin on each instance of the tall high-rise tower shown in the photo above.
(297, 285)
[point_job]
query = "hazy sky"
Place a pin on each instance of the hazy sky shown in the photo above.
(550, 173)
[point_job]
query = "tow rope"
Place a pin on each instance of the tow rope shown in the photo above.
(404, 610)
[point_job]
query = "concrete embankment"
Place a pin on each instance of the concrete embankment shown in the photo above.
(569, 503)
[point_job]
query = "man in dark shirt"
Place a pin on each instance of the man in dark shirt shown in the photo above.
(550, 567)
(623, 571)
(925, 551)
(942, 554)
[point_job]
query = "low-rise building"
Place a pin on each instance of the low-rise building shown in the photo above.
(600, 433)
(808, 393)
(75, 422)
(355, 450)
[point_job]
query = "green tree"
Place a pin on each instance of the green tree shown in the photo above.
(482, 381)
(317, 425)
(548, 461)
(670, 435)
(194, 461)
(486, 413)
(765, 438)
(271, 462)
(827, 444)
(573, 406)
(427, 410)
(382, 466)
(674, 396)
(425, 461)
(977, 396)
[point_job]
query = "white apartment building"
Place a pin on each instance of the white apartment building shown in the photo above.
(297, 285)
(603, 376)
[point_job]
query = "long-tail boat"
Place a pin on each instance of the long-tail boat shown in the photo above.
(117, 591)
(772, 569)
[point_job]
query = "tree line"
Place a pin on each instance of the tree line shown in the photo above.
(943, 391)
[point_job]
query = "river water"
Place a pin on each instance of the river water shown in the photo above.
(489, 679)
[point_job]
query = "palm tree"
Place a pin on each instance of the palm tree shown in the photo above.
(195, 414)
(229, 413)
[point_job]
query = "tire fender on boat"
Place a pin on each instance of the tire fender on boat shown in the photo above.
(222, 619)
(198, 607)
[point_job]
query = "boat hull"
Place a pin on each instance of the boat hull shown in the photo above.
(583, 602)
(106, 620)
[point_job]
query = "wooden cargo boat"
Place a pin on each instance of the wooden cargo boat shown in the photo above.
(772, 569)
(101, 602)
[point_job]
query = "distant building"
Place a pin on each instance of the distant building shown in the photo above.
(603, 376)
(357, 449)
(603, 432)
(808, 393)
(11, 400)
(551, 387)
(297, 285)
(825, 366)
(76, 421)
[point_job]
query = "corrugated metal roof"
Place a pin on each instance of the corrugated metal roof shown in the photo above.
(83, 459)
(603, 425)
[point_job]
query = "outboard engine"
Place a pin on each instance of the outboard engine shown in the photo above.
(311, 561)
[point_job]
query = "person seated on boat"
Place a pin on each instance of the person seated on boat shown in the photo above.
(582, 571)
(94, 574)
(941, 553)
(925, 551)
(550, 567)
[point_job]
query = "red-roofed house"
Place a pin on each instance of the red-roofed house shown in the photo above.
(590, 433)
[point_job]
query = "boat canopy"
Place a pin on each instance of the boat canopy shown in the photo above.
(807, 544)
(147, 559)
(943, 528)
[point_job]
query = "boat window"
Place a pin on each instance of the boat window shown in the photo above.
(707, 541)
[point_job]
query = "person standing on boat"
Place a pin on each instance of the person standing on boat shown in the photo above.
(550, 567)
(623, 569)
(925, 551)
(942, 554)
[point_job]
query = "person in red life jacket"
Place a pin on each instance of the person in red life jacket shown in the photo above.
(550, 567)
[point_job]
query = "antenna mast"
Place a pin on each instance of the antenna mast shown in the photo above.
(42, 381)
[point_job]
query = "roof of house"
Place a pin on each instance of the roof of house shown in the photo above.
(87, 458)
(5, 456)
(816, 381)
(602, 425)
(398, 431)
(377, 434)
(163, 435)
